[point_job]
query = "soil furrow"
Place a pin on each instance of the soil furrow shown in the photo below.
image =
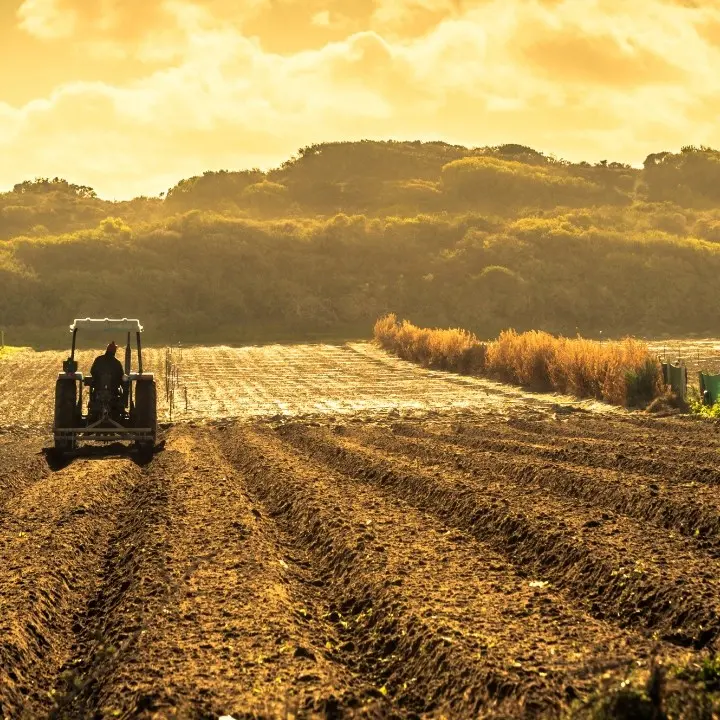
(478, 637)
(647, 442)
(676, 432)
(611, 455)
(130, 590)
(608, 564)
(236, 630)
(20, 467)
(666, 505)
(52, 542)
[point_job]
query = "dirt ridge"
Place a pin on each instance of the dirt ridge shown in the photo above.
(595, 573)
(306, 503)
(50, 554)
(131, 583)
(627, 493)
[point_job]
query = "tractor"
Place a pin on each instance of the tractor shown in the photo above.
(111, 415)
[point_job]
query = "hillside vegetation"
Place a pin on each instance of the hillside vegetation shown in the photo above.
(483, 238)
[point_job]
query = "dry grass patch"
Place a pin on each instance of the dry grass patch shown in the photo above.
(453, 349)
(620, 372)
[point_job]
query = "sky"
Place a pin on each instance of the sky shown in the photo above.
(130, 96)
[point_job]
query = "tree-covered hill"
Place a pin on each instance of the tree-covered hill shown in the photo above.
(485, 238)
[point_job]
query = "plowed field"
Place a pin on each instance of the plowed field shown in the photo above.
(274, 381)
(330, 532)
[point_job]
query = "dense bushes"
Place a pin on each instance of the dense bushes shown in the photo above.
(370, 178)
(690, 177)
(497, 184)
(623, 373)
(381, 178)
(201, 276)
(448, 235)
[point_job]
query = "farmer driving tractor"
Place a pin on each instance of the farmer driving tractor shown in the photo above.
(107, 376)
(123, 398)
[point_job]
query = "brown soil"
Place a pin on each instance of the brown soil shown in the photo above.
(460, 564)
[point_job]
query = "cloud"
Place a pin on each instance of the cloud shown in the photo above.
(47, 19)
(583, 79)
(599, 59)
(321, 18)
(118, 19)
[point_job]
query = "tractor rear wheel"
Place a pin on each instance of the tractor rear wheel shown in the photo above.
(146, 413)
(65, 412)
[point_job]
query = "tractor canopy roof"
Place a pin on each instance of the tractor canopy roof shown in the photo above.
(106, 324)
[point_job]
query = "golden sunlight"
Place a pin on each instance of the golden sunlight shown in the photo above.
(131, 95)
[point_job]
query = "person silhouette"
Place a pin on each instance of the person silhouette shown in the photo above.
(108, 370)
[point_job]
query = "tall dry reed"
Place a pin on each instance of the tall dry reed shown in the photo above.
(620, 372)
(454, 349)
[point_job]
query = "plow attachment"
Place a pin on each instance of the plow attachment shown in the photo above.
(105, 430)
